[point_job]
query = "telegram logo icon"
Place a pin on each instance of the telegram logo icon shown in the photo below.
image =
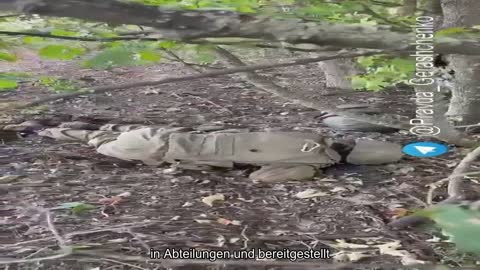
(425, 149)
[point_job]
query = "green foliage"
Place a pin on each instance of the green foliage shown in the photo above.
(77, 208)
(6, 85)
(451, 31)
(14, 75)
(333, 11)
(59, 85)
(61, 52)
(461, 223)
(7, 56)
(122, 56)
(32, 40)
(205, 54)
(167, 44)
(61, 32)
(382, 71)
(244, 6)
(9, 80)
(458, 32)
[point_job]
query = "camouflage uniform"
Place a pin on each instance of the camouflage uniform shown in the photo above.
(282, 155)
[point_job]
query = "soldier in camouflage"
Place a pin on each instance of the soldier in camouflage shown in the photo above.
(282, 155)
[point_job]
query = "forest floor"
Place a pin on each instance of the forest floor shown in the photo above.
(164, 208)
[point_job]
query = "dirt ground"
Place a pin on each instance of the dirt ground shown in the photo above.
(164, 208)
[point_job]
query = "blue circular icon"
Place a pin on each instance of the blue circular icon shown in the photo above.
(425, 149)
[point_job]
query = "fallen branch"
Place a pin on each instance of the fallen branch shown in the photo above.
(93, 39)
(456, 178)
(192, 24)
(107, 88)
(65, 250)
(139, 36)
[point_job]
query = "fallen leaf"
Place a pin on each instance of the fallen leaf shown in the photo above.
(350, 256)
(187, 204)
(398, 212)
(125, 194)
(310, 193)
(233, 240)
(171, 170)
(342, 244)
(77, 208)
(210, 199)
(391, 248)
(203, 221)
(9, 178)
(338, 189)
(225, 221)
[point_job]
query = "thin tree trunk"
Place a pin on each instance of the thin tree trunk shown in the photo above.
(434, 9)
(409, 8)
(464, 106)
(338, 73)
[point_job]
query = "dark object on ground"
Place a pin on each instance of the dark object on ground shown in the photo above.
(342, 123)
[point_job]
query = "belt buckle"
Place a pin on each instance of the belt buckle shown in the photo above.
(314, 145)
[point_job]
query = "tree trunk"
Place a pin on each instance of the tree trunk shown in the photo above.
(408, 9)
(434, 10)
(338, 72)
(464, 106)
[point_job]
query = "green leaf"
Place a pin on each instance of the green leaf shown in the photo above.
(365, 61)
(245, 9)
(168, 44)
(123, 56)
(33, 40)
(112, 57)
(462, 224)
(205, 54)
(6, 85)
(59, 85)
(60, 32)
(60, 52)
(375, 85)
(15, 76)
(404, 65)
(77, 208)
(359, 82)
(6, 56)
(151, 56)
(451, 31)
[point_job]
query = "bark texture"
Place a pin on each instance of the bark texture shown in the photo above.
(191, 24)
(464, 106)
(338, 73)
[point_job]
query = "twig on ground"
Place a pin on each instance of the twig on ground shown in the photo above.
(139, 239)
(124, 264)
(121, 228)
(65, 249)
(432, 188)
(245, 237)
(51, 227)
(456, 178)
(211, 103)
